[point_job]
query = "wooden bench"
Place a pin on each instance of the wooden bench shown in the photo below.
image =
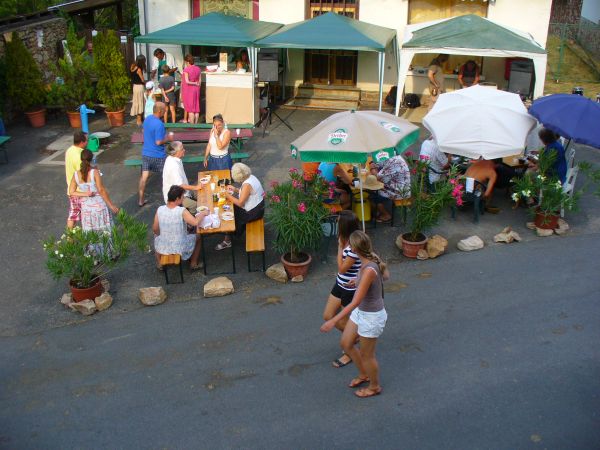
(206, 126)
(189, 159)
(402, 204)
(171, 260)
(4, 140)
(255, 240)
(200, 136)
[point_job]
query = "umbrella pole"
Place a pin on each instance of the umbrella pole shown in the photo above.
(362, 204)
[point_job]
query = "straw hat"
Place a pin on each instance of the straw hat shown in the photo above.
(372, 184)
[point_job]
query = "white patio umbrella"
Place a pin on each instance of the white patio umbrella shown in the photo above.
(479, 122)
(351, 136)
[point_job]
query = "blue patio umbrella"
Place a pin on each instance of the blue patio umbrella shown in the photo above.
(573, 116)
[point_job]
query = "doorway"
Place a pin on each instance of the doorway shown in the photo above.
(331, 67)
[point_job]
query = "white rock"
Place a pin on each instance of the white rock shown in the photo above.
(471, 243)
(422, 254)
(563, 227)
(531, 225)
(298, 279)
(103, 302)
(66, 299)
(218, 287)
(399, 242)
(436, 245)
(85, 307)
(152, 296)
(277, 272)
(543, 232)
(516, 236)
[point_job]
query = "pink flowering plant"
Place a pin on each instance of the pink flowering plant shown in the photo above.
(295, 210)
(429, 200)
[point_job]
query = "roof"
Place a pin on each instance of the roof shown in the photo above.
(330, 31)
(212, 29)
(473, 32)
(76, 6)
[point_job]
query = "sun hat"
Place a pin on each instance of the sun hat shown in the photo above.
(372, 184)
(150, 85)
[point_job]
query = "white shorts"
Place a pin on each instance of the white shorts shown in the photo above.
(370, 324)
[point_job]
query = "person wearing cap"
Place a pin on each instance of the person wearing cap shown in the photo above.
(395, 176)
(149, 97)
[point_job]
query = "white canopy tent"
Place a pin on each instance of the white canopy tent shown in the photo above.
(476, 36)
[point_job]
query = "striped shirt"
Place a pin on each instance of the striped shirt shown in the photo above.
(351, 273)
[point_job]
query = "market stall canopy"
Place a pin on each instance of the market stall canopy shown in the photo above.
(330, 31)
(212, 29)
(470, 35)
(479, 122)
(351, 136)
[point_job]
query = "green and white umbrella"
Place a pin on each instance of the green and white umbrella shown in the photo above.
(351, 136)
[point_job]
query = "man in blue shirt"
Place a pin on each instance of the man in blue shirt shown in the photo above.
(153, 150)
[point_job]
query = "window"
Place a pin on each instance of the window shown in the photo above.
(426, 10)
(347, 8)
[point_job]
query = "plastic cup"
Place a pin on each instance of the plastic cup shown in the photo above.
(216, 210)
(212, 186)
(237, 131)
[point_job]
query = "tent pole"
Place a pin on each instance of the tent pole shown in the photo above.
(381, 67)
(362, 205)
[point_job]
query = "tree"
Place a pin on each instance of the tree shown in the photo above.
(23, 77)
(114, 86)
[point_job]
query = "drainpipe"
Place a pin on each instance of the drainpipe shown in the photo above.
(148, 56)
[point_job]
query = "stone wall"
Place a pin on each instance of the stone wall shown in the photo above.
(588, 36)
(54, 30)
(566, 11)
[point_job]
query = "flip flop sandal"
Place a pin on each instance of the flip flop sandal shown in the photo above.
(196, 267)
(338, 364)
(356, 382)
(223, 245)
(143, 204)
(367, 392)
(383, 221)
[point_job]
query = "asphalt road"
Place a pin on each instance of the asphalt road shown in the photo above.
(495, 349)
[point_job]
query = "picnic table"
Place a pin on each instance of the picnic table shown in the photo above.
(206, 126)
(205, 198)
(237, 139)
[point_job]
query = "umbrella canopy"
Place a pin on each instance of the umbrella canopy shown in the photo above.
(479, 122)
(351, 136)
(572, 116)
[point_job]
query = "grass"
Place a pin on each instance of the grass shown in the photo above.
(574, 70)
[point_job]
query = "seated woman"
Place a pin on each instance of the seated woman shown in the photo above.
(333, 173)
(170, 230)
(552, 144)
(216, 155)
(249, 205)
(243, 64)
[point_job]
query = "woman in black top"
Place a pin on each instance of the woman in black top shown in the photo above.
(136, 71)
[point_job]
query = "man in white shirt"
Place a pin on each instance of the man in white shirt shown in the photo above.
(438, 161)
(161, 58)
(174, 175)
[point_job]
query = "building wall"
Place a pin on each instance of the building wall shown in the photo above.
(566, 11)
(503, 12)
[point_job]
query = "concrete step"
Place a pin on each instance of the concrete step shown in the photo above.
(331, 92)
(326, 103)
(331, 106)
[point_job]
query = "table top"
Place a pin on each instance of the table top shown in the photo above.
(205, 198)
(513, 161)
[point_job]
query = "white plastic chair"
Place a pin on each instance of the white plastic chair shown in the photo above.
(571, 158)
(569, 186)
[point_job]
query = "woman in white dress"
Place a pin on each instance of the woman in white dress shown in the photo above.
(170, 230)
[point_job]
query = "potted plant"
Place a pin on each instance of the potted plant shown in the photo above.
(73, 85)
(426, 204)
(85, 257)
(544, 192)
(114, 85)
(25, 88)
(296, 212)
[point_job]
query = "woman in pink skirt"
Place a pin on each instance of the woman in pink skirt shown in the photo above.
(191, 92)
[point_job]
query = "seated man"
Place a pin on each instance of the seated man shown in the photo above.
(438, 161)
(395, 176)
(484, 171)
(174, 175)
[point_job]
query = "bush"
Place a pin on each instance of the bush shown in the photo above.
(114, 86)
(76, 73)
(23, 77)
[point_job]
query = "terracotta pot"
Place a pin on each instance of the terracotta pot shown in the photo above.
(116, 118)
(546, 221)
(87, 294)
(37, 119)
(411, 248)
(295, 269)
(74, 119)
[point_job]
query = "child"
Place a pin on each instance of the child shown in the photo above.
(167, 86)
(367, 316)
(149, 96)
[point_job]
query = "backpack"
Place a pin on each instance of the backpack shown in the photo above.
(390, 99)
(412, 101)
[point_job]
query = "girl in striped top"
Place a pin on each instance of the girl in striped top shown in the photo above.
(348, 264)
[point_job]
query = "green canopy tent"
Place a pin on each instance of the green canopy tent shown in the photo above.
(334, 32)
(214, 29)
(469, 35)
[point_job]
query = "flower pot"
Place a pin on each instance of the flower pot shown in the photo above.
(546, 221)
(116, 118)
(88, 293)
(295, 269)
(37, 119)
(411, 248)
(74, 119)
